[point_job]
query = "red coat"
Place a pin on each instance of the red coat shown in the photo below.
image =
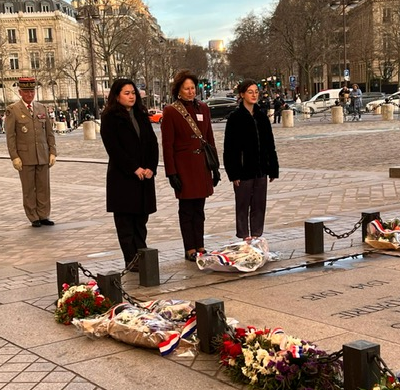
(180, 147)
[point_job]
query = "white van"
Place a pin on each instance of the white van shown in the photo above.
(322, 100)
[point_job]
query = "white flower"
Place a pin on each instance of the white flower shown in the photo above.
(250, 337)
(262, 354)
(248, 357)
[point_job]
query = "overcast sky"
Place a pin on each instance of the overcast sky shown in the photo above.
(204, 20)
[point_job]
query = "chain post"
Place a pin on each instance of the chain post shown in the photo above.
(86, 272)
(67, 272)
(107, 286)
(209, 323)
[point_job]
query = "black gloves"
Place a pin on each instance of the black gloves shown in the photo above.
(216, 178)
(175, 182)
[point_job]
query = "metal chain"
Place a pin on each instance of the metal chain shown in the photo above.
(344, 235)
(228, 329)
(86, 272)
(383, 367)
(333, 357)
(132, 264)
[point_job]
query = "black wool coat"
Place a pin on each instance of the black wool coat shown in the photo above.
(126, 193)
(249, 146)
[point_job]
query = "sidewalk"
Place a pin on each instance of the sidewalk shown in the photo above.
(330, 171)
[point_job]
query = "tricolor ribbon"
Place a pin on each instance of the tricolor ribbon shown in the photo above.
(167, 346)
(296, 351)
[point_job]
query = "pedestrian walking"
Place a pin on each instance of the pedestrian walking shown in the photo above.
(356, 102)
(250, 159)
(32, 148)
(132, 149)
(278, 104)
(185, 160)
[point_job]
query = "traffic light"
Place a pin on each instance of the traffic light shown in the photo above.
(278, 83)
(200, 85)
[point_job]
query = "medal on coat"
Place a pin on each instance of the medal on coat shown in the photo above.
(24, 129)
(22, 116)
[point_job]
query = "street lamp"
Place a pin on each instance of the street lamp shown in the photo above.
(345, 4)
(88, 14)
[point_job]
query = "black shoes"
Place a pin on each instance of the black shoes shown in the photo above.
(46, 222)
(40, 222)
(190, 256)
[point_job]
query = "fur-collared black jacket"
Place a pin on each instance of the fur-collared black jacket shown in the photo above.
(249, 146)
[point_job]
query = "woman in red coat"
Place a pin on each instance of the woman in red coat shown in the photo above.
(132, 148)
(184, 159)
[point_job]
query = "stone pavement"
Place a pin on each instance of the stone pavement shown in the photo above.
(330, 171)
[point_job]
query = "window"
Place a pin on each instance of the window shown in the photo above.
(12, 36)
(48, 35)
(14, 64)
(34, 60)
(50, 61)
(386, 42)
(29, 8)
(8, 8)
(106, 84)
(386, 15)
(32, 35)
(45, 7)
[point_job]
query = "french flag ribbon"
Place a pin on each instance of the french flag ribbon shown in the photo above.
(189, 327)
(167, 346)
(296, 351)
(223, 259)
(277, 331)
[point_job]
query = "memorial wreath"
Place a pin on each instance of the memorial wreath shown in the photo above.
(270, 360)
(80, 302)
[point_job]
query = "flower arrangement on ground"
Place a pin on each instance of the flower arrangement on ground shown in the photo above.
(80, 302)
(384, 234)
(388, 383)
(272, 360)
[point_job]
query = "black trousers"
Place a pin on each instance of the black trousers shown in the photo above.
(132, 233)
(251, 203)
(191, 221)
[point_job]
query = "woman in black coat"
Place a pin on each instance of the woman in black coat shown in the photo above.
(132, 148)
(250, 158)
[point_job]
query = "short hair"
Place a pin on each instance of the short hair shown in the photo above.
(245, 84)
(180, 78)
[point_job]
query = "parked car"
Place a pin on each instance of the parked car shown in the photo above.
(368, 97)
(220, 108)
(322, 100)
(393, 98)
(155, 116)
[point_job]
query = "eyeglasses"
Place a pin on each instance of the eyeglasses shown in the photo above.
(250, 92)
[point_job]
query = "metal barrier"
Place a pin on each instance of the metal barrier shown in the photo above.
(314, 229)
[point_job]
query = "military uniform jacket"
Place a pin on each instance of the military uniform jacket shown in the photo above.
(29, 137)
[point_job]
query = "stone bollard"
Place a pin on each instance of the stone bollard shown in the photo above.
(89, 131)
(368, 216)
(287, 118)
(314, 236)
(97, 126)
(271, 114)
(61, 127)
(149, 272)
(67, 272)
(376, 110)
(210, 314)
(387, 112)
(359, 366)
(337, 114)
(306, 111)
(108, 284)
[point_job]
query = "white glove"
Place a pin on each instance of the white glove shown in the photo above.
(52, 160)
(17, 164)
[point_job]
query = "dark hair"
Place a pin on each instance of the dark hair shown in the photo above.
(245, 84)
(180, 78)
(114, 106)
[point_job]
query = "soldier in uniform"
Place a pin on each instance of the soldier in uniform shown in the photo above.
(31, 145)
